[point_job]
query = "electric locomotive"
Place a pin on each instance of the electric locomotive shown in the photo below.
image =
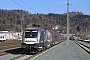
(33, 38)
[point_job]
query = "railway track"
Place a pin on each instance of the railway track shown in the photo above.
(26, 56)
(9, 45)
(3, 53)
(84, 46)
(29, 56)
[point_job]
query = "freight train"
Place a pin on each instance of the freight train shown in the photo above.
(37, 39)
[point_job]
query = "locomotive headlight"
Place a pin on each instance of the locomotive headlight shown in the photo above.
(41, 41)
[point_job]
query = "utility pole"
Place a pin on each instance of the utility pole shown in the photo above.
(21, 23)
(68, 22)
(21, 28)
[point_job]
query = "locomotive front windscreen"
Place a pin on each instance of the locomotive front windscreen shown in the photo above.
(31, 33)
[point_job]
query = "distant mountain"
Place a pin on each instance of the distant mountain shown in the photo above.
(11, 20)
(74, 13)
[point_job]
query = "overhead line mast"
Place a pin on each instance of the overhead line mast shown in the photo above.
(68, 22)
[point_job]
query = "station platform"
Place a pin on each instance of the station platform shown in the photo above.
(65, 52)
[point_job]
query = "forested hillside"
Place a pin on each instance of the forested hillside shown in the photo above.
(11, 20)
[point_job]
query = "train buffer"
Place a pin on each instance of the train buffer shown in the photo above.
(65, 52)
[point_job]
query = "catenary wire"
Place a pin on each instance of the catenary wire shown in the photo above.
(19, 5)
(28, 6)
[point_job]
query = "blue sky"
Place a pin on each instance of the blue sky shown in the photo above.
(46, 6)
